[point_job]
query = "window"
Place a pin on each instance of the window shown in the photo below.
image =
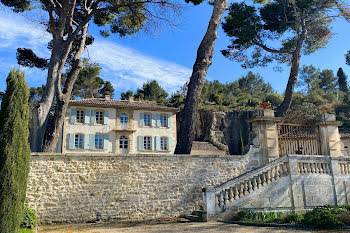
(147, 143)
(147, 119)
(99, 117)
(123, 142)
(79, 141)
(98, 141)
(80, 116)
(124, 118)
(163, 120)
(163, 143)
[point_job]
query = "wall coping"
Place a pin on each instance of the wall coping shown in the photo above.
(110, 155)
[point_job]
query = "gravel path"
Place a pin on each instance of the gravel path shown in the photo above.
(167, 226)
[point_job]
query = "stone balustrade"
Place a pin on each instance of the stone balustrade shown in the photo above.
(314, 168)
(290, 183)
(249, 182)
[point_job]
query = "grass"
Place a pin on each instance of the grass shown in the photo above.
(25, 230)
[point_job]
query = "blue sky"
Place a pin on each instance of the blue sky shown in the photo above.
(166, 56)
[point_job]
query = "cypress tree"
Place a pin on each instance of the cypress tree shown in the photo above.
(14, 151)
(342, 80)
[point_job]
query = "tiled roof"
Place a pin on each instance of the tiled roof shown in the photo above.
(344, 132)
(120, 104)
(196, 145)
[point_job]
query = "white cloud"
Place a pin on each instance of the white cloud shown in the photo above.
(124, 67)
(127, 68)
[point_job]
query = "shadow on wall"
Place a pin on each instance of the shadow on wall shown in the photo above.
(222, 129)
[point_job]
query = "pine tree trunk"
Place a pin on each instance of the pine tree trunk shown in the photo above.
(195, 86)
(293, 77)
(63, 96)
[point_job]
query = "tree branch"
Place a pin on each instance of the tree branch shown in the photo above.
(264, 47)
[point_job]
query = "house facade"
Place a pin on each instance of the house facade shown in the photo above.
(118, 127)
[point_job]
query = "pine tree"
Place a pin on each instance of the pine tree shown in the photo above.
(14, 151)
(342, 80)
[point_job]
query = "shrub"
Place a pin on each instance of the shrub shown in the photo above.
(29, 219)
(324, 217)
(345, 218)
(293, 218)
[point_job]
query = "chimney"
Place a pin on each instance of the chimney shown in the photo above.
(107, 97)
(131, 99)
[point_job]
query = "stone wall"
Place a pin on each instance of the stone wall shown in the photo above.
(74, 188)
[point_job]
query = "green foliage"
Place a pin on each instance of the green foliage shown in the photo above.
(14, 151)
(126, 95)
(253, 28)
(347, 57)
(248, 91)
(29, 218)
(151, 91)
(24, 230)
(89, 84)
(293, 218)
(324, 217)
(342, 80)
(275, 99)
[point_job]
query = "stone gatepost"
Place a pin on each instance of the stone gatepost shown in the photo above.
(264, 125)
(329, 135)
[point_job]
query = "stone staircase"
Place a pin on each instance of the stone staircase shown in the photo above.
(292, 182)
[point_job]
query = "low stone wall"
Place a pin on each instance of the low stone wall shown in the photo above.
(74, 188)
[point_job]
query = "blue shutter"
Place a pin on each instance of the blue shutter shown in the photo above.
(73, 115)
(87, 116)
(158, 120)
(105, 141)
(142, 123)
(153, 146)
(86, 141)
(70, 141)
(93, 117)
(140, 143)
(157, 143)
(92, 141)
(154, 120)
(106, 117)
(170, 143)
(169, 120)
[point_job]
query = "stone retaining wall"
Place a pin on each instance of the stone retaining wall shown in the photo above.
(74, 188)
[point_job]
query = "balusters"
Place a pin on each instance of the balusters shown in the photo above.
(236, 192)
(273, 173)
(231, 195)
(216, 200)
(226, 199)
(255, 183)
(249, 185)
(259, 181)
(221, 199)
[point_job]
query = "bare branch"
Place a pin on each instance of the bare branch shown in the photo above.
(261, 45)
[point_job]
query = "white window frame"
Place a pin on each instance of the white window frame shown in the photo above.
(99, 141)
(99, 118)
(163, 120)
(80, 117)
(79, 142)
(147, 143)
(162, 146)
(123, 139)
(147, 121)
(124, 118)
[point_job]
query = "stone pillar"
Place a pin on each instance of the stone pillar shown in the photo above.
(265, 127)
(209, 207)
(329, 135)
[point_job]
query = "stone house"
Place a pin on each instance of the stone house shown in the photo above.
(104, 125)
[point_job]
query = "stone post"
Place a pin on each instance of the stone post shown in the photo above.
(209, 207)
(265, 127)
(329, 135)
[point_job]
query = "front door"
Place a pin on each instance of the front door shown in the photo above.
(123, 145)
